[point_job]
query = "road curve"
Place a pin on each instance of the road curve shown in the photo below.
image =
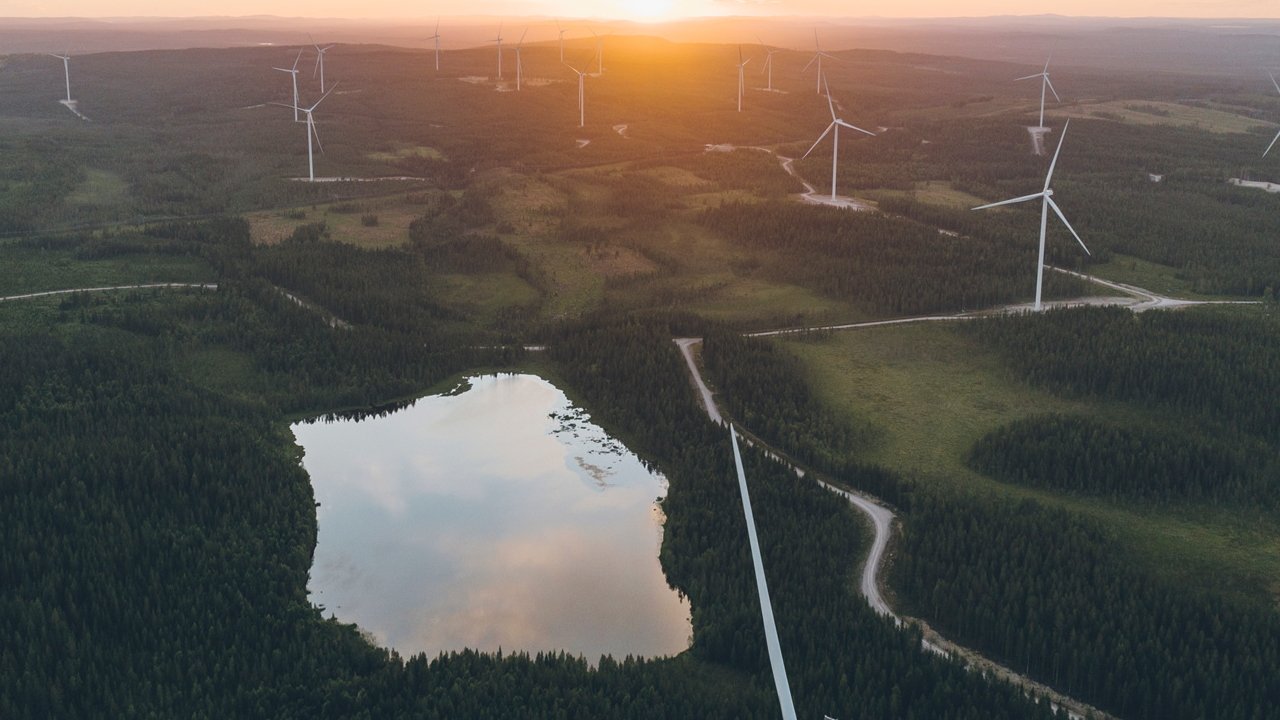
(47, 293)
(882, 519)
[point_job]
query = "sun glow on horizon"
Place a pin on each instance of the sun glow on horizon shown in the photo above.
(648, 10)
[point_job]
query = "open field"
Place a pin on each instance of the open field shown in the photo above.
(934, 392)
(1150, 112)
(27, 269)
(934, 192)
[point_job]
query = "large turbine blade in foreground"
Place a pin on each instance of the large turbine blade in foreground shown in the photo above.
(1046, 203)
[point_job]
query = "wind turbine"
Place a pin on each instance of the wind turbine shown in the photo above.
(499, 41)
(311, 132)
(1264, 152)
(581, 96)
(66, 67)
(768, 62)
(436, 38)
(1046, 202)
(817, 57)
(1044, 84)
(599, 53)
(561, 31)
(520, 65)
(293, 72)
(836, 123)
(320, 51)
(741, 82)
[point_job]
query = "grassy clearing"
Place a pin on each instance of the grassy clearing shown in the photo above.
(405, 152)
(934, 192)
(27, 270)
(344, 221)
(1149, 112)
(1147, 275)
(99, 188)
(757, 303)
(483, 297)
(934, 392)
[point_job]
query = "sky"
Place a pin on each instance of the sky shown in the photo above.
(641, 10)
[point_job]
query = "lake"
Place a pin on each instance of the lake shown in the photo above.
(495, 516)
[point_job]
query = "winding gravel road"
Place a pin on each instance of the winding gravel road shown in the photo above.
(47, 293)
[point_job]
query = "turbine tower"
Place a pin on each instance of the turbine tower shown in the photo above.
(293, 72)
(520, 65)
(436, 39)
(768, 61)
(320, 51)
(582, 98)
(741, 82)
(499, 41)
(1044, 74)
(817, 57)
(66, 67)
(836, 123)
(1264, 152)
(1046, 202)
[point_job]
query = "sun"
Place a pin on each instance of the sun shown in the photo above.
(647, 10)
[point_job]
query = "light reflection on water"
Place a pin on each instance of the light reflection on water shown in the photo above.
(494, 517)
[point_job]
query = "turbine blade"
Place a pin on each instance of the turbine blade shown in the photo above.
(312, 124)
(1063, 218)
(1054, 163)
(319, 54)
(526, 32)
(297, 60)
(1029, 77)
(1273, 82)
(821, 137)
(855, 127)
(812, 60)
(1046, 64)
(830, 103)
(1273, 143)
(1010, 201)
(322, 97)
(1049, 82)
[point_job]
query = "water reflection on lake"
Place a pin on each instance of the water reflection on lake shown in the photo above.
(493, 517)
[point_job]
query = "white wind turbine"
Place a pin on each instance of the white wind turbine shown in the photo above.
(741, 82)
(499, 41)
(436, 38)
(581, 95)
(320, 51)
(817, 57)
(294, 73)
(311, 133)
(66, 67)
(1264, 152)
(836, 123)
(1043, 84)
(599, 53)
(561, 31)
(520, 65)
(768, 62)
(1046, 202)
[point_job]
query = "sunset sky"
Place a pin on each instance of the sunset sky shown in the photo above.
(645, 10)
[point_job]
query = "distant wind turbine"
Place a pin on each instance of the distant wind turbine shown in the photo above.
(498, 40)
(741, 82)
(66, 67)
(293, 72)
(1044, 84)
(599, 53)
(817, 57)
(1264, 152)
(519, 64)
(436, 39)
(1046, 202)
(311, 133)
(581, 95)
(836, 123)
(320, 51)
(768, 62)
(561, 31)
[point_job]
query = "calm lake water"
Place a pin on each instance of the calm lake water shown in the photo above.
(497, 516)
